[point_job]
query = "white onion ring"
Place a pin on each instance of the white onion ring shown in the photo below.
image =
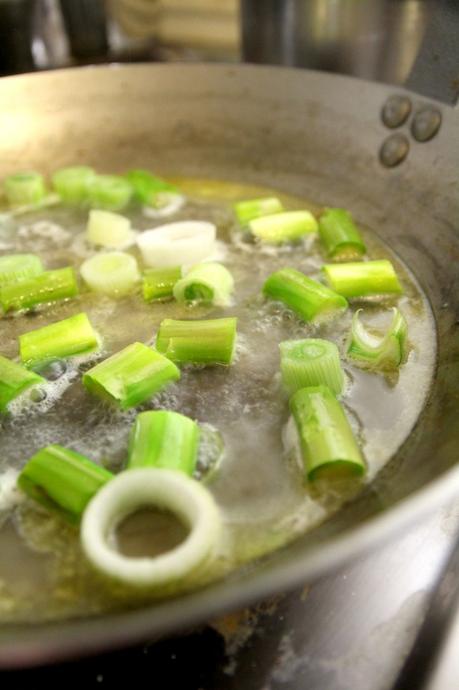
(164, 489)
(176, 244)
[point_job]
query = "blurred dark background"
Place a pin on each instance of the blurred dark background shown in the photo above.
(374, 39)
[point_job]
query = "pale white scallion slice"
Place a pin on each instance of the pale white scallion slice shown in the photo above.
(175, 244)
(108, 229)
(385, 352)
(167, 203)
(111, 273)
(168, 490)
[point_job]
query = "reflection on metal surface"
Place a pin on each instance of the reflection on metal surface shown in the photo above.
(394, 150)
(375, 39)
(426, 124)
(396, 111)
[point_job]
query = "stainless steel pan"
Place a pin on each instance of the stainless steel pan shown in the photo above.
(308, 133)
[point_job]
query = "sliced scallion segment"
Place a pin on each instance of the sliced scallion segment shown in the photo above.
(327, 443)
(254, 208)
(146, 186)
(166, 490)
(210, 341)
(49, 286)
(283, 227)
(62, 480)
(113, 273)
(386, 352)
(363, 278)
(185, 242)
(110, 192)
(158, 283)
(73, 183)
(14, 380)
(66, 338)
(25, 188)
(207, 282)
(308, 298)
(131, 376)
(165, 439)
(110, 230)
(311, 362)
(339, 234)
(17, 267)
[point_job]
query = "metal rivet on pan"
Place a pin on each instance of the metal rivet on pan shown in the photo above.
(426, 124)
(395, 111)
(394, 150)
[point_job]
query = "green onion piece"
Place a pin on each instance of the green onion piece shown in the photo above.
(164, 439)
(115, 273)
(131, 376)
(207, 282)
(62, 481)
(66, 338)
(308, 298)
(146, 186)
(49, 286)
(110, 192)
(165, 490)
(198, 342)
(339, 234)
(14, 379)
(386, 352)
(283, 227)
(26, 188)
(17, 267)
(108, 229)
(73, 184)
(363, 278)
(158, 283)
(311, 362)
(254, 208)
(326, 439)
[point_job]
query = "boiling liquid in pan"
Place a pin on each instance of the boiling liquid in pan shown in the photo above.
(259, 487)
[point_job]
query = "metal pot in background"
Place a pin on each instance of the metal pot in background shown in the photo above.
(373, 39)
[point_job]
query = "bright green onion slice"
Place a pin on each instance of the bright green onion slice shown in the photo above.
(254, 208)
(66, 338)
(384, 353)
(73, 183)
(208, 282)
(110, 192)
(283, 227)
(185, 242)
(114, 273)
(328, 446)
(158, 283)
(308, 298)
(198, 342)
(14, 380)
(49, 286)
(17, 267)
(25, 188)
(165, 490)
(62, 480)
(339, 234)
(110, 230)
(311, 362)
(131, 376)
(164, 439)
(146, 186)
(363, 278)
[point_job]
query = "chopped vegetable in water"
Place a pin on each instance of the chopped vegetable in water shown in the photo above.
(14, 380)
(339, 234)
(364, 278)
(311, 362)
(254, 208)
(283, 227)
(109, 230)
(17, 267)
(49, 286)
(198, 342)
(131, 376)
(158, 283)
(184, 243)
(208, 282)
(73, 183)
(384, 353)
(112, 273)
